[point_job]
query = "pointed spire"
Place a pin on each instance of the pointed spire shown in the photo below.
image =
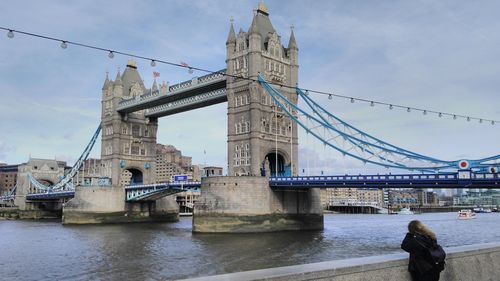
(231, 38)
(155, 87)
(106, 82)
(118, 79)
(254, 27)
(292, 44)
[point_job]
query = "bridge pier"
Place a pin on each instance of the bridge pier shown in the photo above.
(93, 205)
(248, 204)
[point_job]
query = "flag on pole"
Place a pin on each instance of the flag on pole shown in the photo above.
(156, 74)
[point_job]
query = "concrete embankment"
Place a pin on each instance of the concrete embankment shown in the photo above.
(15, 213)
(465, 263)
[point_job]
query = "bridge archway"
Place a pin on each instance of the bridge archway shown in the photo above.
(276, 164)
(132, 176)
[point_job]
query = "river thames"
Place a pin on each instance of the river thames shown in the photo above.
(47, 250)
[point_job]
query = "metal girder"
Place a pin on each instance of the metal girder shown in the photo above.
(194, 87)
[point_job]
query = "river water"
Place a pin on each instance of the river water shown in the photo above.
(47, 250)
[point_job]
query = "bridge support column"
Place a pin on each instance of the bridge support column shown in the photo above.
(247, 204)
(93, 205)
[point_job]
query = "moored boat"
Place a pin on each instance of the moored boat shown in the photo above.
(405, 211)
(466, 215)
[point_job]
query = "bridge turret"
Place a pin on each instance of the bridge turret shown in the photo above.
(128, 140)
(118, 85)
(293, 54)
(154, 88)
(254, 48)
(258, 133)
(105, 86)
(231, 48)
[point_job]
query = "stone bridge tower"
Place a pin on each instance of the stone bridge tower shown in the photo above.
(259, 136)
(259, 133)
(128, 143)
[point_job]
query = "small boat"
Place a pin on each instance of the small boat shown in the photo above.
(466, 215)
(405, 211)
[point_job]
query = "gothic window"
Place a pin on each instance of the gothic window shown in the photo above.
(126, 150)
(124, 130)
(236, 101)
(244, 62)
(143, 151)
(241, 100)
(246, 99)
(146, 132)
(136, 131)
(236, 148)
(134, 150)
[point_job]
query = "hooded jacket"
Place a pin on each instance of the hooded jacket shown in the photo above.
(416, 245)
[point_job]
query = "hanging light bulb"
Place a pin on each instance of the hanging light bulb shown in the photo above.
(372, 103)
(492, 122)
(391, 106)
(307, 92)
(111, 54)
(330, 96)
(440, 114)
(352, 100)
(10, 34)
(425, 112)
(190, 70)
(454, 117)
(64, 45)
(408, 109)
(153, 63)
(480, 120)
(468, 118)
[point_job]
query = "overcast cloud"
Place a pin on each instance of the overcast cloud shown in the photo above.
(437, 55)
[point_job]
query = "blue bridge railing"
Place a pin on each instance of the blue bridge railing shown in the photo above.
(461, 179)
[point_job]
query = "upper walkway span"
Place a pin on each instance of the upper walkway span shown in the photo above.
(188, 95)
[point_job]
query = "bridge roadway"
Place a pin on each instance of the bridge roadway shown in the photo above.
(188, 95)
(461, 179)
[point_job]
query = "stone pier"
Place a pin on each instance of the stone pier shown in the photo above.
(247, 204)
(93, 205)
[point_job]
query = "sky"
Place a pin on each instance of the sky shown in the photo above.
(434, 55)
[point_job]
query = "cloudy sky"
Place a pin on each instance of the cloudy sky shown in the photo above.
(436, 55)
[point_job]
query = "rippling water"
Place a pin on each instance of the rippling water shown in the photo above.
(47, 250)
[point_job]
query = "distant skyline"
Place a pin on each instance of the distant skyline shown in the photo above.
(440, 56)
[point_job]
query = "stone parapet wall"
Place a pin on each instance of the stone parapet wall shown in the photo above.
(479, 262)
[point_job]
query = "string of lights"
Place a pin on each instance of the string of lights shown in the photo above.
(153, 61)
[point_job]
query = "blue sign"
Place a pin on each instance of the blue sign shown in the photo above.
(180, 178)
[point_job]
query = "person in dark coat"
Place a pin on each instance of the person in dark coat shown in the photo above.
(418, 238)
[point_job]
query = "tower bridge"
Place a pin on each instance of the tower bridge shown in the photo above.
(262, 191)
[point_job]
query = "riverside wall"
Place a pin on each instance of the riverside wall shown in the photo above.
(480, 262)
